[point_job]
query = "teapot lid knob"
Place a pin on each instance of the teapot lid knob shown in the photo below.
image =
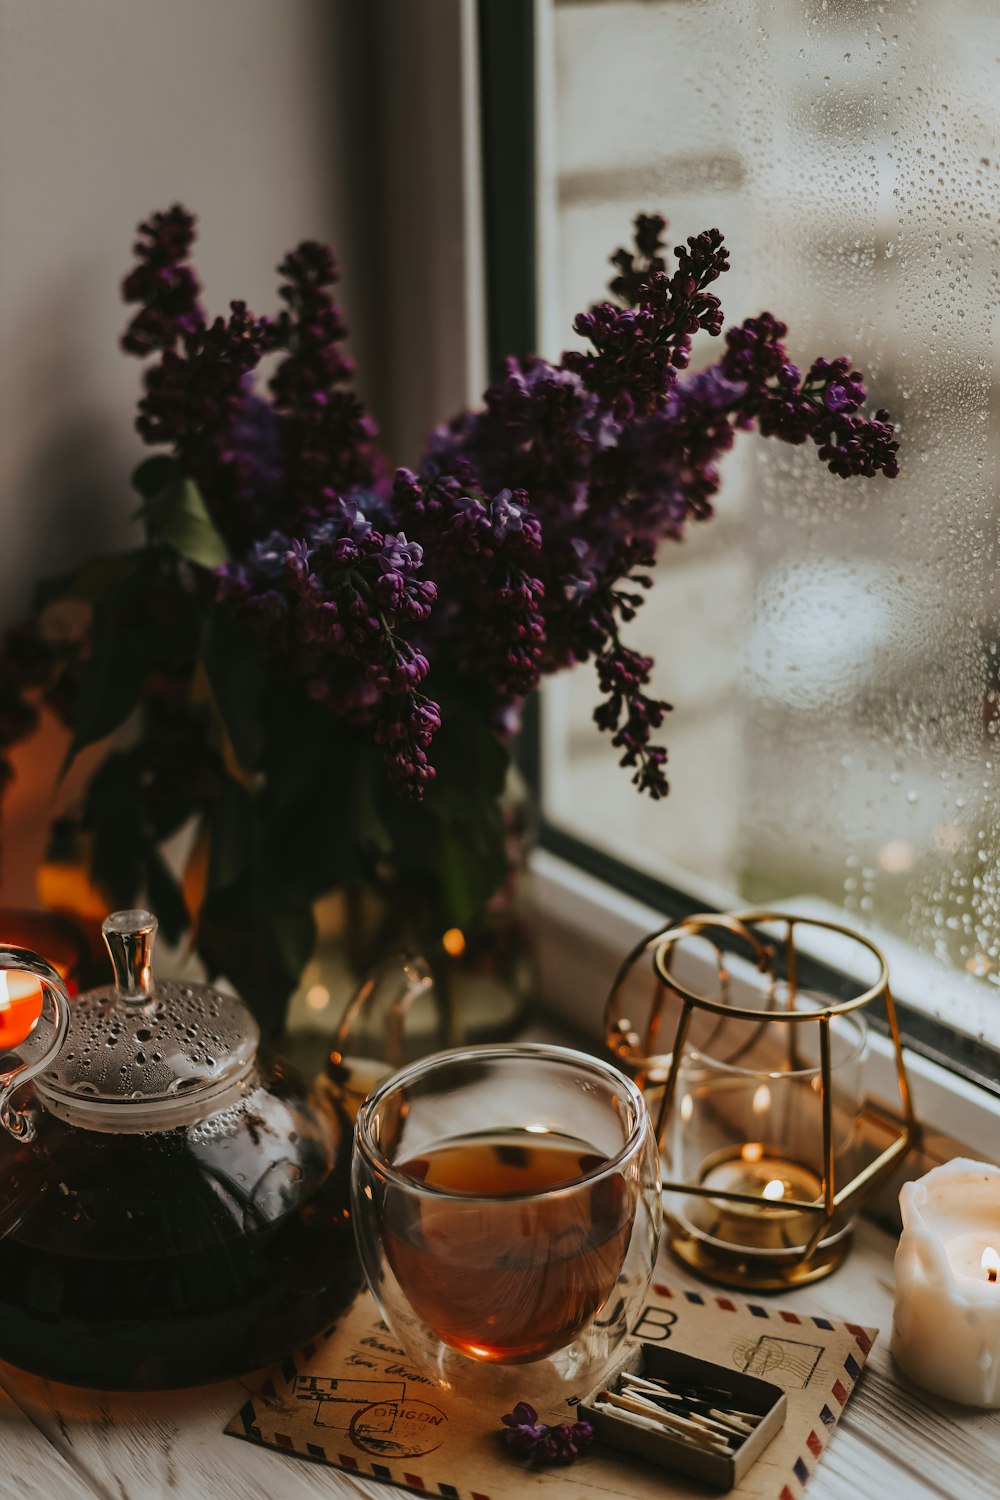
(129, 936)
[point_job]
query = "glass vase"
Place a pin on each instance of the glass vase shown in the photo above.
(483, 977)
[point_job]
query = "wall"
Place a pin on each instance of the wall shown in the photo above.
(108, 110)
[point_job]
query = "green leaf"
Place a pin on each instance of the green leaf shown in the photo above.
(178, 514)
(471, 861)
(471, 764)
(239, 681)
(232, 831)
(307, 808)
(154, 474)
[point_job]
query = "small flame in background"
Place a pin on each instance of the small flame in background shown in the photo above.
(762, 1100)
(990, 1263)
(453, 942)
(774, 1189)
(752, 1151)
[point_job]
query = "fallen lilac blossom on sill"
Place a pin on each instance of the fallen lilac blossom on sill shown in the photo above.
(535, 1440)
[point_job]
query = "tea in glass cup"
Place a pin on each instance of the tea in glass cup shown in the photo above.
(507, 1207)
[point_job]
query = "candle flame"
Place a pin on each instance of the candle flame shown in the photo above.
(4, 994)
(774, 1189)
(752, 1151)
(687, 1107)
(990, 1263)
(762, 1100)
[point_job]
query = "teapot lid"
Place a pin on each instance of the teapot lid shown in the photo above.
(137, 1044)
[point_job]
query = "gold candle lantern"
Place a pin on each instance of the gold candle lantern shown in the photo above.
(759, 1108)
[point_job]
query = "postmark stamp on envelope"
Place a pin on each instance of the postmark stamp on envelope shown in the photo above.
(398, 1429)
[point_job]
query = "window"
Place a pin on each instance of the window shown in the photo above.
(830, 646)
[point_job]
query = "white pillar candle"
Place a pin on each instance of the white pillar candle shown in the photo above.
(946, 1324)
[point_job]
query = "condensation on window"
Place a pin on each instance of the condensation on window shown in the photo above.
(830, 646)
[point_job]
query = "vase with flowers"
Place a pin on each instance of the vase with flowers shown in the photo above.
(315, 663)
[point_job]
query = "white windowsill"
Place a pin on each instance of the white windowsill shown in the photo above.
(586, 929)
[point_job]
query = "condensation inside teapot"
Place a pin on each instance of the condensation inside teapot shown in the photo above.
(139, 1052)
(179, 1212)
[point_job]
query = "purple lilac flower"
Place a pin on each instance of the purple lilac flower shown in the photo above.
(326, 436)
(163, 284)
(618, 451)
(485, 554)
(638, 349)
(821, 408)
(532, 521)
(255, 471)
(333, 607)
(529, 1438)
(193, 399)
(196, 401)
(630, 716)
(635, 269)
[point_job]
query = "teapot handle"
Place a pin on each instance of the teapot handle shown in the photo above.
(19, 1122)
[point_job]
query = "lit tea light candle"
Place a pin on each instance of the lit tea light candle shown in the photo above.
(946, 1326)
(767, 1177)
(20, 1007)
(775, 1183)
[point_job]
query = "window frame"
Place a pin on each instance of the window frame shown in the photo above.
(512, 228)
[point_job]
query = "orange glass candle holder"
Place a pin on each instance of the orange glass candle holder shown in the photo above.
(20, 1007)
(50, 933)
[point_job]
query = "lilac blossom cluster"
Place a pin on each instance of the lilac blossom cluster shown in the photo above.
(333, 604)
(616, 451)
(325, 435)
(523, 542)
(486, 552)
(558, 1444)
(639, 348)
(822, 408)
(163, 284)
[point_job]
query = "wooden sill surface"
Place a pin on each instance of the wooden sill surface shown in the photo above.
(893, 1442)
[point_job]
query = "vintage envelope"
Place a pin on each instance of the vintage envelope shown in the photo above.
(351, 1399)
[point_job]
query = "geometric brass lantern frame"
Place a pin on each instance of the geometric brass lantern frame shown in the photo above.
(647, 1063)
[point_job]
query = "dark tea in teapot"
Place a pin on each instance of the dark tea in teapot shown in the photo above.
(149, 1261)
(174, 1206)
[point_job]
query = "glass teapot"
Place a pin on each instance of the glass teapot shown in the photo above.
(174, 1203)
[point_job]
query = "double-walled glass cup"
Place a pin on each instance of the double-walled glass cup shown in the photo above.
(507, 1210)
